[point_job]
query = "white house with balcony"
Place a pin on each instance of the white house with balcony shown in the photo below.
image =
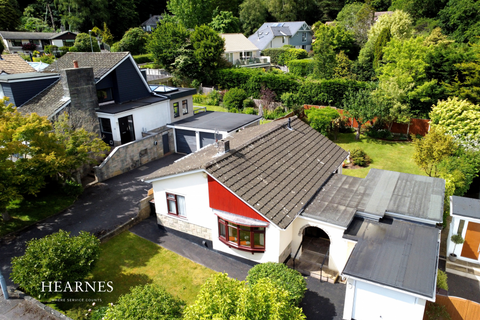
(241, 52)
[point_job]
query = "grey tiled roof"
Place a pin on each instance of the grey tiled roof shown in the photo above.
(262, 37)
(13, 63)
(101, 62)
(274, 169)
(47, 102)
(21, 35)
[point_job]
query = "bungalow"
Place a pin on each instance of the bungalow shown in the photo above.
(15, 41)
(278, 34)
(275, 192)
(13, 63)
(242, 52)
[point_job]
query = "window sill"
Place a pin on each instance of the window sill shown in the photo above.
(233, 245)
(176, 216)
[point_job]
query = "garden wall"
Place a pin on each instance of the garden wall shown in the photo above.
(458, 308)
(417, 126)
(134, 154)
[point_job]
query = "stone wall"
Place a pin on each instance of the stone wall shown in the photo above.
(184, 226)
(134, 154)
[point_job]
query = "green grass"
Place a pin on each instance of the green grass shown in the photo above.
(129, 260)
(386, 155)
(211, 108)
(32, 209)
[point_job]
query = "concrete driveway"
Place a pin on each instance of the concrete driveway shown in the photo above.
(101, 207)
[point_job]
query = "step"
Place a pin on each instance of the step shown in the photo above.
(313, 269)
(463, 268)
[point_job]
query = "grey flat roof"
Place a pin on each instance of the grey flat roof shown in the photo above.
(466, 207)
(337, 201)
(27, 75)
(395, 253)
(120, 107)
(221, 121)
(179, 93)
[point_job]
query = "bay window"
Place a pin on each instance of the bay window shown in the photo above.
(248, 238)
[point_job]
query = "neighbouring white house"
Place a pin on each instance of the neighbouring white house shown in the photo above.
(465, 213)
(275, 192)
(277, 34)
(242, 52)
(15, 41)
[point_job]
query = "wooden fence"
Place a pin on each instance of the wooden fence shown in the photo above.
(416, 126)
(458, 308)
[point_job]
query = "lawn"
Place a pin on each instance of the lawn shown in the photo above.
(211, 108)
(32, 209)
(128, 260)
(387, 155)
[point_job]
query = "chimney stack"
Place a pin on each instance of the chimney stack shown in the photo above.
(75, 63)
(223, 146)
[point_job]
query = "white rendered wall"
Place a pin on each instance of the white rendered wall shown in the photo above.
(366, 301)
(339, 247)
(277, 42)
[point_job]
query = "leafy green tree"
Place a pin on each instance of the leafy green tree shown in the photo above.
(282, 10)
(325, 58)
(134, 40)
(234, 97)
(340, 39)
(192, 13)
(56, 257)
(432, 149)
(253, 14)
(9, 17)
(225, 22)
(82, 14)
(382, 40)
(208, 48)
(146, 302)
(343, 67)
(347, 17)
(166, 41)
(463, 166)
(85, 42)
(224, 298)
(461, 20)
(281, 275)
(105, 34)
(322, 119)
(419, 8)
(360, 106)
(35, 24)
(458, 117)
(124, 15)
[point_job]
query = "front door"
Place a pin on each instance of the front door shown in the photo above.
(127, 133)
(471, 246)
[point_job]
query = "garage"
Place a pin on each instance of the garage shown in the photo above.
(186, 141)
(207, 138)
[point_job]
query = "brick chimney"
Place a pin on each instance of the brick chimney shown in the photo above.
(79, 84)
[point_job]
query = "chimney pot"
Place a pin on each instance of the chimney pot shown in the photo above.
(75, 63)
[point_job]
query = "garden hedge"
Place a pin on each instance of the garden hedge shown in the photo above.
(281, 56)
(301, 68)
(143, 58)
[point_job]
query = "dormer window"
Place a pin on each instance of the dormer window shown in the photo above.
(104, 95)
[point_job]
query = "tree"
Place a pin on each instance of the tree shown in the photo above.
(225, 22)
(432, 149)
(282, 10)
(233, 98)
(322, 119)
(460, 19)
(85, 42)
(192, 13)
(146, 302)
(360, 106)
(56, 257)
(125, 14)
(82, 14)
(339, 38)
(419, 8)
(325, 58)
(208, 48)
(166, 41)
(223, 298)
(134, 40)
(35, 24)
(460, 118)
(382, 40)
(343, 67)
(253, 14)
(105, 34)
(9, 17)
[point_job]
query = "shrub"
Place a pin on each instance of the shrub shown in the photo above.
(50, 49)
(84, 43)
(134, 40)
(64, 50)
(442, 280)
(437, 312)
(56, 257)
(249, 110)
(71, 188)
(146, 302)
(302, 67)
(359, 157)
(29, 46)
(46, 58)
(274, 114)
(73, 49)
(143, 58)
(282, 55)
(213, 98)
(199, 98)
(282, 276)
(321, 119)
(248, 103)
(234, 98)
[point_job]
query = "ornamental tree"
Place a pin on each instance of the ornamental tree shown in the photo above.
(360, 106)
(208, 48)
(192, 13)
(146, 302)
(322, 119)
(83, 44)
(134, 40)
(56, 257)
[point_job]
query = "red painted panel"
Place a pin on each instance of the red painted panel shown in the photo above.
(224, 200)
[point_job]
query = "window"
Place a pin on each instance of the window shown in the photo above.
(176, 205)
(184, 106)
(176, 112)
(246, 238)
(246, 55)
(104, 95)
(283, 39)
(105, 125)
(35, 42)
(68, 43)
(16, 43)
(304, 37)
(2, 95)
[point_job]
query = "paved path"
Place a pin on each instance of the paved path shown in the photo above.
(323, 301)
(101, 207)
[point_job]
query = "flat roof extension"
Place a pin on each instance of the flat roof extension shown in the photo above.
(221, 121)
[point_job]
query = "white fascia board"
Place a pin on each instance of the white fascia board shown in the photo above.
(174, 175)
(465, 218)
(432, 299)
(195, 129)
(32, 79)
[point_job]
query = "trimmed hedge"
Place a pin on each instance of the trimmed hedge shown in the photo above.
(143, 58)
(301, 68)
(282, 55)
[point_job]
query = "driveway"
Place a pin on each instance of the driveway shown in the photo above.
(101, 207)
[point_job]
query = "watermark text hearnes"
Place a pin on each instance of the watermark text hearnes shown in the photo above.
(77, 286)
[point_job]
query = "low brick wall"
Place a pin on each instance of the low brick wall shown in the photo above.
(184, 226)
(134, 154)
